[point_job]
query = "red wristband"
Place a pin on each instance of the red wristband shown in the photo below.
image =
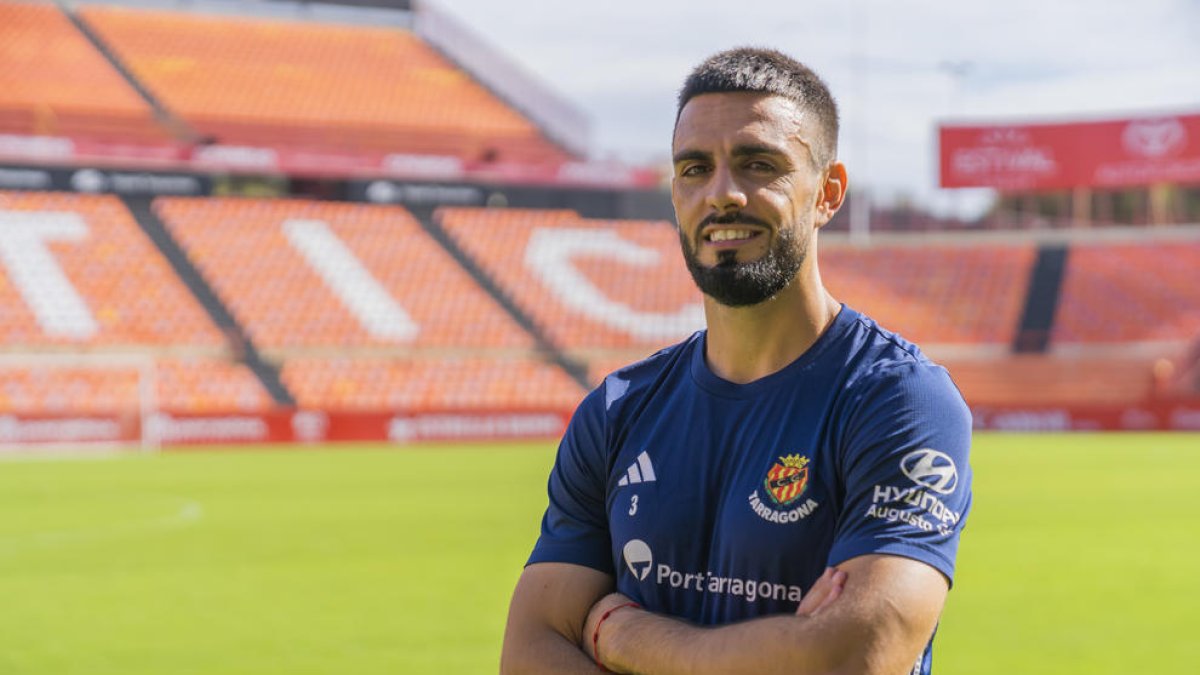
(596, 633)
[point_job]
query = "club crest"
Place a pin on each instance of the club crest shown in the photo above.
(787, 479)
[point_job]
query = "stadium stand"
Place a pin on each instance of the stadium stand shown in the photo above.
(587, 284)
(195, 386)
(79, 276)
(371, 311)
(320, 274)
(180, 385)
(1048, 380)
(934, 295)
(54, 82)
(429, 383)
(294, 84)
(363, 307)
(78, 272)
(73, 390)
(1121, 293)
(613, 292)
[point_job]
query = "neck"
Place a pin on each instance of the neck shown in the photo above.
(748, 343)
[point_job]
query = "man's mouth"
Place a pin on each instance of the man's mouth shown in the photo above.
(731, 235)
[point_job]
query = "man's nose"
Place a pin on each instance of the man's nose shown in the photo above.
(724, 192)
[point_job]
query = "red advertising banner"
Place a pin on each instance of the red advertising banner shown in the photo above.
(331, 163)
(25, 432)
(281, 426)
(317, 426)
(1103, 154)
(34, 430)
(1166, 416)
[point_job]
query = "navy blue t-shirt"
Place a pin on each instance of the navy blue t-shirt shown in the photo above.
(716, 502)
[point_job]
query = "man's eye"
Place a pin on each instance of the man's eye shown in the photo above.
(693, 170)
(760, 166)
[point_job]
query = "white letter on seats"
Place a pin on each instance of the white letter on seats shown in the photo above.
(58, 307)
(549, 255)
(376, 310)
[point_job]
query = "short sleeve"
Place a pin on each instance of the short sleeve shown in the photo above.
(575, 526)
(906, 469)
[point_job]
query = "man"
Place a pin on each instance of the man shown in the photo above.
(780, 493)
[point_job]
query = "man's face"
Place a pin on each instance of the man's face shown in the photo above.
(746, 191)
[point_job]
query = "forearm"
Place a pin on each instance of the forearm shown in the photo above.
(650, 644)
(878, 624)
(546, 616)
(543, 651)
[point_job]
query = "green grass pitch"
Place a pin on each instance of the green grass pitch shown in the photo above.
(1081, 556)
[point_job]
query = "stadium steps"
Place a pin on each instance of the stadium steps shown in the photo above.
(577, 371)
(268, 374)
(1041, 300)
(174, 124)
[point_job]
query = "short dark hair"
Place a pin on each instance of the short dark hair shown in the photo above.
(767, 71)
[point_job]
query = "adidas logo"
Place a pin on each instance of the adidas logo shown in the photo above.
(640, 471)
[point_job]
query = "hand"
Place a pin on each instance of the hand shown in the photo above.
(823, 593)
(593, 618)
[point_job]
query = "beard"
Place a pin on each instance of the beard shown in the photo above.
(741, 284)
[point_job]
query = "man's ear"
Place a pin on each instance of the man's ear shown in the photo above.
(832, 194)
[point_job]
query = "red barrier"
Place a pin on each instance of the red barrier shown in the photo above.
(1113, 153)
(330, 163)
(33, 430)
(1181, 416)
(314, 426)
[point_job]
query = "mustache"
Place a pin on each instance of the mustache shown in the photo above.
(735, 218)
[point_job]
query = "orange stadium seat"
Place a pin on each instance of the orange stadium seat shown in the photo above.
(934, 295)
(1115, 293)
(77, 271)
(588, 284)
(74, 390)
(54, 82)
(297, 84)
(602, 365)
(1050, 380)
(209, 386)
(181, 386)
(429, 383)
(377, 256)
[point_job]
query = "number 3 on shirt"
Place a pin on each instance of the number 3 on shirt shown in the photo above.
(633, 505)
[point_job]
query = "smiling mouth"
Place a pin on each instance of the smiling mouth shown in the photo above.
(730, 235)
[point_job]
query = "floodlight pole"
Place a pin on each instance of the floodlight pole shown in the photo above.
(957, 71)
(860, 199)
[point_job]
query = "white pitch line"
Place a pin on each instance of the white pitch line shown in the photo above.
(190, 512)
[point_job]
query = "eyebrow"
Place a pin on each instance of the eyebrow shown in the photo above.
(691, 155)
(749, 150)
(738, 151)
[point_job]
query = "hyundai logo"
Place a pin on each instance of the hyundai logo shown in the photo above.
(930, 469)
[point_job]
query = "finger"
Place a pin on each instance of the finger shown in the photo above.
(816, 595)
(838, 583)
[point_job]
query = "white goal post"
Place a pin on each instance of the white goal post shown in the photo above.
(56, 426)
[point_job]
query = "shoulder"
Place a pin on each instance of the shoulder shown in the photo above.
(633, 384)
(888, 374)
(610, 409)
(885, 358)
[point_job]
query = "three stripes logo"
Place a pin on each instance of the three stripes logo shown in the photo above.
(641, 471)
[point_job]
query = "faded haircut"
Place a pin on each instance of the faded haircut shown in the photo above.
(767, 71)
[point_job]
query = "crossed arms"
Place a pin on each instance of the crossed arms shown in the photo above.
(874, 617)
